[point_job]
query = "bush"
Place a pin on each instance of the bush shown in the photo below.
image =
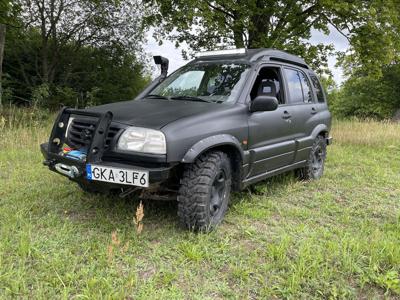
(368, 96)
(85, 76)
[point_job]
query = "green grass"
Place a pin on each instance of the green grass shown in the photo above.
(335, 238)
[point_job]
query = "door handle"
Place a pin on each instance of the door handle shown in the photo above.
(313, 111)
(286, 115)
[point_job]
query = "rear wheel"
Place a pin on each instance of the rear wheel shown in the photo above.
(314, 168)
(204, 192)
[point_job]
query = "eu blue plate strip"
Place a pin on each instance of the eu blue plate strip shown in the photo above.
(88, 172)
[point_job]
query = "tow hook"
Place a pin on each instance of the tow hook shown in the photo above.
(70, 171)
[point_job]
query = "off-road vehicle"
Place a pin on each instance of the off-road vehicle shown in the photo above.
(225, 120)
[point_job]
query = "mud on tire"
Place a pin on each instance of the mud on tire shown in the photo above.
(204, 193)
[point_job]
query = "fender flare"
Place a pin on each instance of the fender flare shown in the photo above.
(318, 129)
(211, 142)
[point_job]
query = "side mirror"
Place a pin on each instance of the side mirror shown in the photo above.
(264, 103)
(160, 60)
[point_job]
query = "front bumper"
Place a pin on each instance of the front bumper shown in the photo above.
(156, 175)
(75, 169)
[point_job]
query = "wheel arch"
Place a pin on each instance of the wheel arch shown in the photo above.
(321, 130)
(222, 142)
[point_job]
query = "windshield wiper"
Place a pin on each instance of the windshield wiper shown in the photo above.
(154, 96)
(189, 98)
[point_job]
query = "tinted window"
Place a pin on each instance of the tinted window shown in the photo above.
(294, 85)
(318, 88)
(307, 96)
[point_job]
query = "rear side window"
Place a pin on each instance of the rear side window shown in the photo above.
(307, 93)
(318, 88)
(299, 87)
(294, 85)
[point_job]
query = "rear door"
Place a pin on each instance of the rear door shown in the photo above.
(271, 141)
(304, 110)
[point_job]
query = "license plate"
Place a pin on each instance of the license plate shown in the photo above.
(116, 175)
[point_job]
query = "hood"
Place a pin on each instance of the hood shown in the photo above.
(154, 113)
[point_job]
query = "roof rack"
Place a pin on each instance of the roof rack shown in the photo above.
(221, 52)
(304, 65)
(254, 55)
(278, 55)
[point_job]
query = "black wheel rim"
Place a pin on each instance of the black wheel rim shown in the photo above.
(317, 160)
(218, 193)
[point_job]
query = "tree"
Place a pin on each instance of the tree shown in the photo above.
(97, 23)
(283, 25)
(6, 14)
(85, 76)
(74, 52)
(286, 25)
(372, 64)
(2, 41)
(368, 96)
(374, 39)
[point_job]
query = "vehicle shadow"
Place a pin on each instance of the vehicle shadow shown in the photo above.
(266, 187)
(119, 212)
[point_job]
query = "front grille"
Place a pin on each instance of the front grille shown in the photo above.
(80, 133)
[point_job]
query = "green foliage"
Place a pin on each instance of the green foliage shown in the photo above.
(253, 24)
(372, 64)
(40, 94)
(87, 75)
(368, 96)
(371, 27)
(8, 10)
(73, 53)
(374, 38)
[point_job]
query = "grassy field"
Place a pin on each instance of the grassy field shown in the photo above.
(336, 238)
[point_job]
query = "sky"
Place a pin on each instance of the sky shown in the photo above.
(176, 61)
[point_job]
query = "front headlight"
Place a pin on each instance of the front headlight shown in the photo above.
(142, 140)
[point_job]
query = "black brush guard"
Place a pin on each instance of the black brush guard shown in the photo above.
(96, 147)
(52, 150)
(76, 169)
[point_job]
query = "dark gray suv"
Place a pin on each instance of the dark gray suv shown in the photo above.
(224, 121)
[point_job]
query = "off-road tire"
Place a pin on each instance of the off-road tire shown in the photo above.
(196, 196)
(314, 168)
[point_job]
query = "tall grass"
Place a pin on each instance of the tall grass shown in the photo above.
(24, 127)
(335, 238)
(366, 132)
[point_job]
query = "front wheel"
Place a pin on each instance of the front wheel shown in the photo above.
(204, 193)
(314, 168)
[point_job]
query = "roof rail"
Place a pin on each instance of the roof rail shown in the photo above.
(278, 55)
(300, 64)
(221, 52)
(254, 55)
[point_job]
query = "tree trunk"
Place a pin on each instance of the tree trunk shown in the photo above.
(2, 42)
(259, 32)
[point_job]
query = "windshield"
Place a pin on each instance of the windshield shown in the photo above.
(209, 82)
